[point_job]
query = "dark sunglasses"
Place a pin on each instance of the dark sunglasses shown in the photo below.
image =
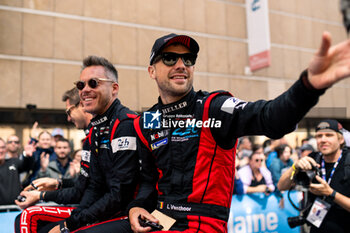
(16, 142)
(170, 59)
(259, 160)
(93, 83)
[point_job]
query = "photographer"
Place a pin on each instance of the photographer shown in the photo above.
(330, 190)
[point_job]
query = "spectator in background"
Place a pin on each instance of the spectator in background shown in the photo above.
(244, 150)
(74, 166)
(12, 147)
(346, 135)
(58, 168)
(43, 146)
(10, 185)
(57, 133)
(238, 185)
(281, 163)
(305, 150)
(273, 153)
(304, 141)
(255, 176)
(267, 146)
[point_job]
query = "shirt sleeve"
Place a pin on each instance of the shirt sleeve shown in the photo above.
(273, 118)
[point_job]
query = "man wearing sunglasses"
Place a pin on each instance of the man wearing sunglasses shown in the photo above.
(188, 138)
(113, 161)
(61, 191)
(13, 146)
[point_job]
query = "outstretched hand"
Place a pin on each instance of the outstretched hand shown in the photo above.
(330, 64)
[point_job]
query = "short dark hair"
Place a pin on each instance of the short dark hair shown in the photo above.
(72, 96)
(63, 140)
(280, 149)
(110, 71)
(255, 148)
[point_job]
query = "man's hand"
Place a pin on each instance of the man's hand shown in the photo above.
(329, 64)
(134, 213)
(32, 197)
(43, 184)
(321, 189)
(306, 163)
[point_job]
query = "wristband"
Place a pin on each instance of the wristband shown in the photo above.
(293, 172)
(59, 185)
(332, 196)
(41, 196)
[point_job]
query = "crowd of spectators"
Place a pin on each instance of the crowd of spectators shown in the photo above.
(260, 166)
(47, 154)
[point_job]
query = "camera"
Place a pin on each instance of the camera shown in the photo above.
(305, 178)
(296, 221)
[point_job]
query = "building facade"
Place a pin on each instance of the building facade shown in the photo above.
(42, 44)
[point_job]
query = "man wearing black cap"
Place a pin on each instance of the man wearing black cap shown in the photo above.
(188, 138)
(305, 150)
(333, 184)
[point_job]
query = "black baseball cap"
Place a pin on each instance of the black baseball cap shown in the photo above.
(329, 124)
(172, 38)
(306, 147)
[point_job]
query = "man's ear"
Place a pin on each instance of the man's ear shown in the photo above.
(152, 72)
(115, 87)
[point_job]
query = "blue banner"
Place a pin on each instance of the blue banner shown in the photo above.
(260, 213)
(7, 221)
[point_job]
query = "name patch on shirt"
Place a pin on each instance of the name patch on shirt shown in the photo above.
(123, 143)
(231, 104)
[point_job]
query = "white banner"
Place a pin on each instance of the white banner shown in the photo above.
(258, 34)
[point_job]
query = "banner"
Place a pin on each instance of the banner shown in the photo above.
(260, 213)
(258, 34)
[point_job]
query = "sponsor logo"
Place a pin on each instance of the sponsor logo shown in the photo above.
(83, 172)
(160, 143)
(12, 167)
(85, 155)
(151, 120)
(123, 143)
(159, 134)
(99, 121)
(174, 107)
(184, 134)
(231, 104)
(104, 144)
(184, 131)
